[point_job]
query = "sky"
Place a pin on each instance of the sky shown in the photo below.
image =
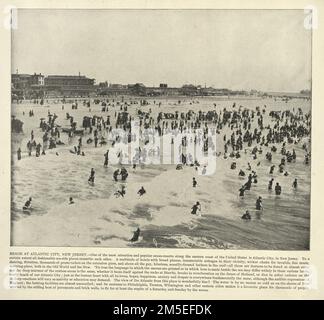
(268, 50)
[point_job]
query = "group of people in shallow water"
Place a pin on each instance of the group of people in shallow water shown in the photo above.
(243, 130)
(289, 128)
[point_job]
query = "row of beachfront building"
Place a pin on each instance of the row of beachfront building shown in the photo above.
(33, 86)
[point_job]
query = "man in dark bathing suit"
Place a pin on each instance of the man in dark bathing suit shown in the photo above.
(106, 159)
(195, 208)
(141, 191)
(27, 204)
(295, 183)
(278, 189)
(136, 235)
(92, 176)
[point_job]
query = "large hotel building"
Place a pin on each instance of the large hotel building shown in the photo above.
(38, 86)
(79, 86)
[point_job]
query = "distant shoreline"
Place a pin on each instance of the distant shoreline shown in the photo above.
(175, 97)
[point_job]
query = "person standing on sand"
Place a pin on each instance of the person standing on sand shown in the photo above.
(92, 176)
(106, 159)
(38, 149)
(19, 154)
(29, 147)
(295, 183)
(194, 182)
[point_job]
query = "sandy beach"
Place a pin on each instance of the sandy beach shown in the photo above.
(98, 218)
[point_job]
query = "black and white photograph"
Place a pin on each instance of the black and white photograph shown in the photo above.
(177, 128)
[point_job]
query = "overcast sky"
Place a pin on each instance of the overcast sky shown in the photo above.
(239, 49)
